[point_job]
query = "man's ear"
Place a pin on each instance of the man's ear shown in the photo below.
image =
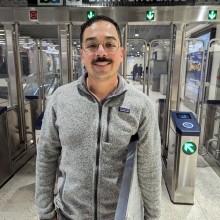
(122, 54)
(81, 55)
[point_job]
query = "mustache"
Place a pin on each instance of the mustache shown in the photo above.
(101, 59)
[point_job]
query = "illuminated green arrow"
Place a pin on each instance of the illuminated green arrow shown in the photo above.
(189, 148)
(212, 14)
(90, 14)
(149, 15)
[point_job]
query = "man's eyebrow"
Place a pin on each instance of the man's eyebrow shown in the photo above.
(94, 38)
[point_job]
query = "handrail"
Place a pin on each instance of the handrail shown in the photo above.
(129, 180)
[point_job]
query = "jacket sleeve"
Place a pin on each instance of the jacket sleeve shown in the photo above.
(149, 163)
(48, 152)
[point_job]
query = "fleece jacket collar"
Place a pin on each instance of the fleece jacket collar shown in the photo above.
(122, 86)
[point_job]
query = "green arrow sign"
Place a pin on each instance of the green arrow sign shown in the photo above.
(90, 14)
(212, 14)
(150, 15)
(189, 148)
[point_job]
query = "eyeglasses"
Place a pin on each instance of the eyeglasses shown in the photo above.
(109, 46)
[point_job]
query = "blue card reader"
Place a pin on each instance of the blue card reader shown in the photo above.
(185, 123)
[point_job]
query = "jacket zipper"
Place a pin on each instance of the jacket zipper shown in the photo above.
(108, 121)
(97, 165)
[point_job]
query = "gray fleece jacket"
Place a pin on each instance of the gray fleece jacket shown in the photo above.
(87, 140)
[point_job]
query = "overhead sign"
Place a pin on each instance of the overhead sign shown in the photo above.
(138, 2)
(90, 14)
(189, 148)
(150, 15)
(74, 2)
(49, 2)
(112, 3)
(212, 14)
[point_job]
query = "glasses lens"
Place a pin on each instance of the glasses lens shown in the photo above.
(109, 45)
(90, 46)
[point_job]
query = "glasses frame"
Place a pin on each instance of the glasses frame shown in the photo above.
(103, 45)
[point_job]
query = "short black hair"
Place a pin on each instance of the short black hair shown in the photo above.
(99, 18)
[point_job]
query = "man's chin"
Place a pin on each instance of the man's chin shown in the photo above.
(104, 76)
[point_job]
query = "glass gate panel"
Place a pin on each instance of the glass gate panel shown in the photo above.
(157, 78)
(148, 65)
(50, 66)
(194, 75)
(30, 82)
(30, 66)
(3, 71)
(211, 124)
(213, 70)
(136, 62)
(158, 71)
(78, 68)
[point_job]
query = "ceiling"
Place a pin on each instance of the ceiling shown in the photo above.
(135, 43)
(147, 33)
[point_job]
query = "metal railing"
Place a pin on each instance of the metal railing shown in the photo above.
(130, 205)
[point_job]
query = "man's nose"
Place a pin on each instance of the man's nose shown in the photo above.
(101, 48)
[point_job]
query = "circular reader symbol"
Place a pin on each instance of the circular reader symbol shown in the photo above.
(187, 125)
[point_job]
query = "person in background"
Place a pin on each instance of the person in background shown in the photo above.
(86, 130)
(146, 72)
(140, 71)
(135, 71)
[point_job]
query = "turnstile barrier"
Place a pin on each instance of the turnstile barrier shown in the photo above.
(179, 168)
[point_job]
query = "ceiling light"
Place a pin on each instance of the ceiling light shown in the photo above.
(136, 34)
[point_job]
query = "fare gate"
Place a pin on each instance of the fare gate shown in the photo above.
(180, 165)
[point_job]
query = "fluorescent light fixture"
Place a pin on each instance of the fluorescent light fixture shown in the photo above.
(136, 34)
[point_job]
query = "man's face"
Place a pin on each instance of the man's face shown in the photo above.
(101, 62)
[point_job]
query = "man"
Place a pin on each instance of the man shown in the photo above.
(87, 127)
(135, 71)
(140, 71)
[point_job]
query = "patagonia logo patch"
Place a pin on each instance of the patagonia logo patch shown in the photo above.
(122, 109)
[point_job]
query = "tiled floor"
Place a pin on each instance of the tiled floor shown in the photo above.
(17, 196)
(206, 198)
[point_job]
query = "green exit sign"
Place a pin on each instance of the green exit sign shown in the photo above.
(149, 15)
(189, 148)
(90, 15)
(212, 14)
